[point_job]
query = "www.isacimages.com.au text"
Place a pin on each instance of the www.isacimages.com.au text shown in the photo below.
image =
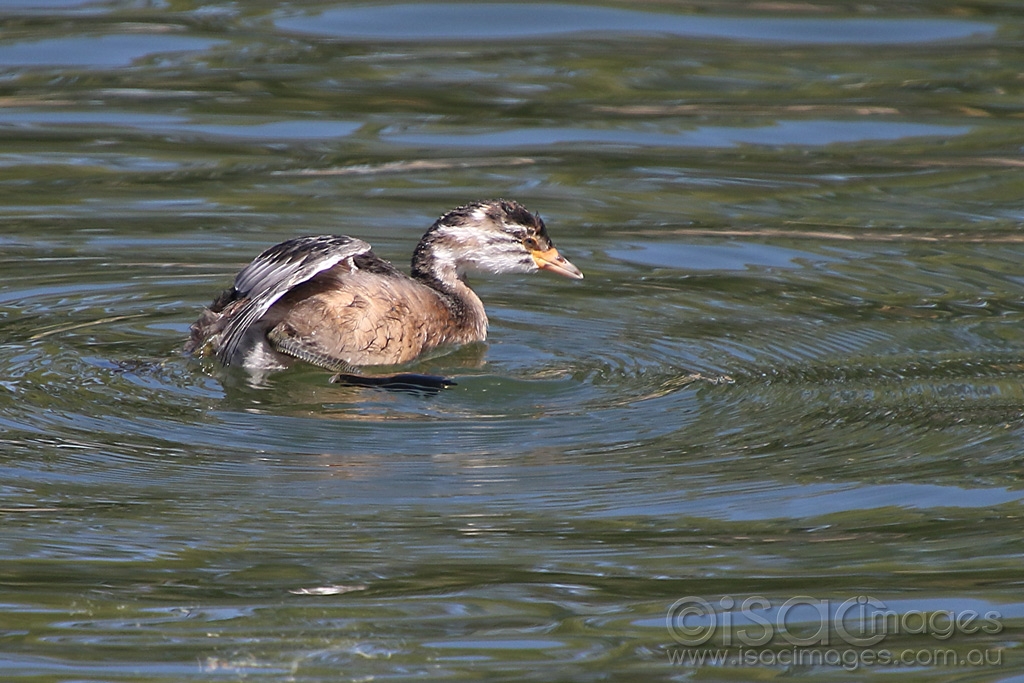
(850, 659)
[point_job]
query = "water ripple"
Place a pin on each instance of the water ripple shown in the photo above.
(507, 21)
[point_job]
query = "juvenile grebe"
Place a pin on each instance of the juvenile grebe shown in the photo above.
(330, 301)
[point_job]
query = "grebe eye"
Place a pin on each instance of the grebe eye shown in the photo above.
(531, 243)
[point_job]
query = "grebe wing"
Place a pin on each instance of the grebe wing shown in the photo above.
(276, 271)
(296, 261)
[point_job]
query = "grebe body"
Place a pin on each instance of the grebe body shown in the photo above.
(330, 301)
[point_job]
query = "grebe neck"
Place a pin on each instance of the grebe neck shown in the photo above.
(434, 266)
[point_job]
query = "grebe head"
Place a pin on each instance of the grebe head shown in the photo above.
(495, 236)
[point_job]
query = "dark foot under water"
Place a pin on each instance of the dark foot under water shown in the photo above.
(405, 381)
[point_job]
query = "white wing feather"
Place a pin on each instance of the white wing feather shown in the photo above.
(276, 271)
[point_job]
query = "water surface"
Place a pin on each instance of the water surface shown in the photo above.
(793, 369)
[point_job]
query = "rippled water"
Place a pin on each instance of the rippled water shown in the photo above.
(794, 367)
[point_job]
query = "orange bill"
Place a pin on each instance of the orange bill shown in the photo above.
(551, 260)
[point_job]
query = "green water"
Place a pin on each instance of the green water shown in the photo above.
(792, 375)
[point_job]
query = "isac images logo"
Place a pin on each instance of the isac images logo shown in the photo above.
(807, 631)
